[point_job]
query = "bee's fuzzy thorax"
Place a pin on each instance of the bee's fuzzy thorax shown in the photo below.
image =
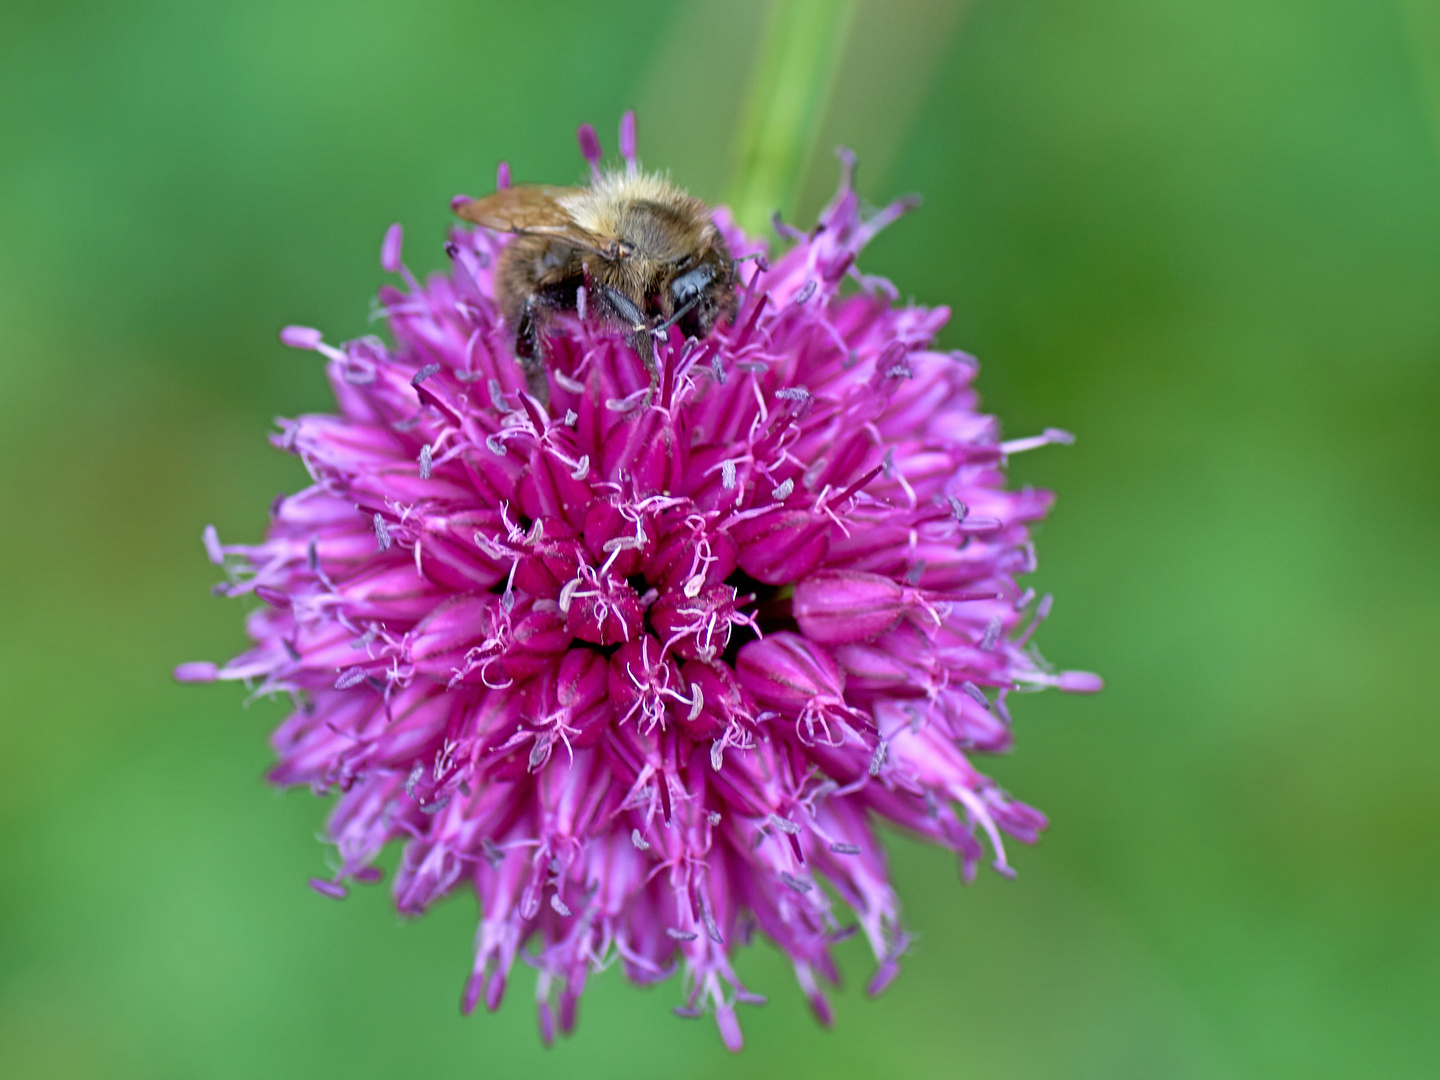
(602, 208)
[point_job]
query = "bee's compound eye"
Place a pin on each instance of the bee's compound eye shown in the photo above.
(691, 283)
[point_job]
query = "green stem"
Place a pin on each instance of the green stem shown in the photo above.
(1422, 32)
(789, 88)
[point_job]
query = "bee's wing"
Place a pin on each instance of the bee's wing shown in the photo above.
(535, 210)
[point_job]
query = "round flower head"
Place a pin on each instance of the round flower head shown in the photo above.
(646, 665)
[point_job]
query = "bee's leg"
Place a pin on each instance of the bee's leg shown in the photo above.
(530, 350)
(527, 332)
(644, 346)
(535, 380)
(637, 328)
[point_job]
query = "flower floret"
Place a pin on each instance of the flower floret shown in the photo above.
(645, 666)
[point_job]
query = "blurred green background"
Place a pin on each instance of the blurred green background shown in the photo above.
(1202, 234)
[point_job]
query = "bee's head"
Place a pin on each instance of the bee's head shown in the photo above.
(705, 283)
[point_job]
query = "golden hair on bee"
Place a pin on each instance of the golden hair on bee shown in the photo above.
(630, 249)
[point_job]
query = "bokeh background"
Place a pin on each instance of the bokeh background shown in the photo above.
(1202, 234)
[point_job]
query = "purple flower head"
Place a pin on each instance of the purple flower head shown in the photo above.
(645, 666)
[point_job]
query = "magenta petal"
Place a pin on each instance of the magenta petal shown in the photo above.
(390, 249)
(301, 337)
(530, 645)
(198, 671)
(1080, 682)
(471, 997)
(329, 888)
(589, 144)
(580, 691)
(213, 550)
(729, 1027)
(627, 136)
(883, 977)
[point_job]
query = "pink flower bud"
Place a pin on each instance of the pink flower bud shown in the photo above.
(545, 569)
(679, 557)
(612, 538)
(695, 627)
(638, 682)
(604, 609)
(786, 671)
(782, 545)
(574, 694)
(454, 626)
(645, 450)
(532, 645)
(716, 700)
(872, 670)
(843, 606)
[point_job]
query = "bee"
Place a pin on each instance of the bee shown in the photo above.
(631, 249)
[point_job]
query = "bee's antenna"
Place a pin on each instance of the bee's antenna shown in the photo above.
(680, 314)
(627, 142)
(590, 147)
